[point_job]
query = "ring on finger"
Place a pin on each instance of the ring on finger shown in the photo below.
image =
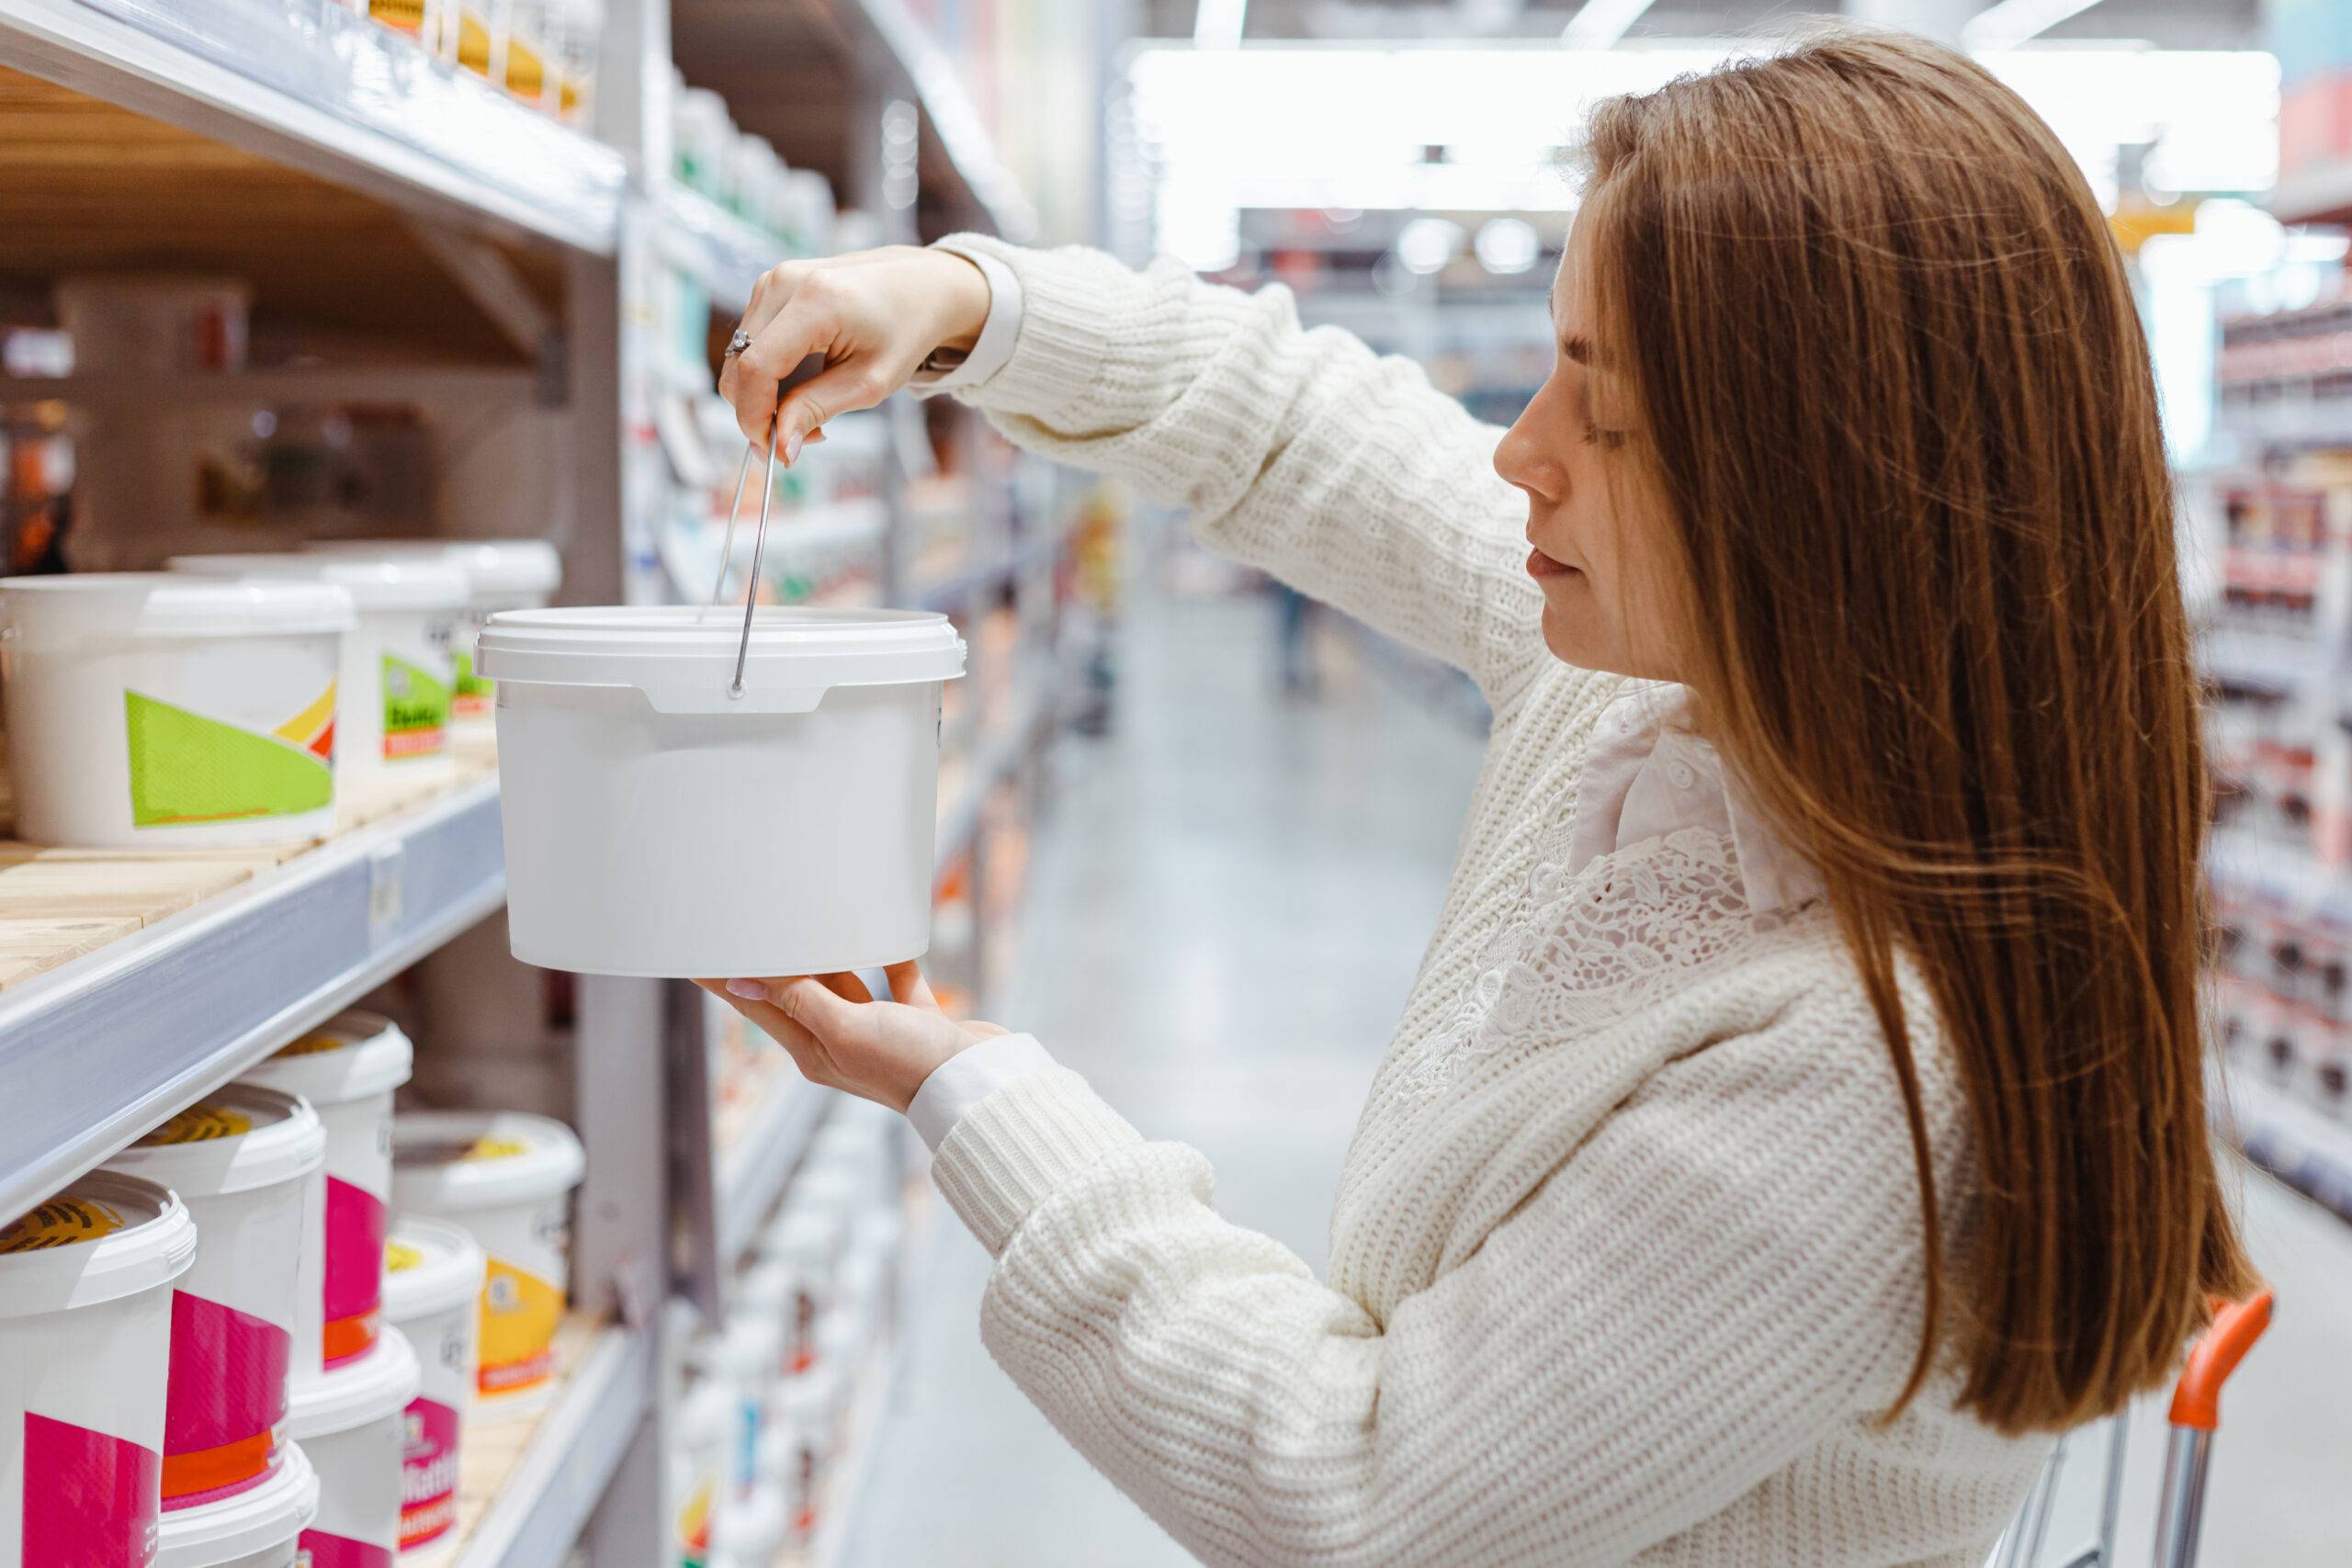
(738, 343)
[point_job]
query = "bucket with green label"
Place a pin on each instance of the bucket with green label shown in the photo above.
(398, 680)
(146, 708)
(501, 574)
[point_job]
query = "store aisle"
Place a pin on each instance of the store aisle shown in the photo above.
(1230, 896)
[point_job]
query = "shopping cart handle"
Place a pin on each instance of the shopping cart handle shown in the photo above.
(2197, 1402)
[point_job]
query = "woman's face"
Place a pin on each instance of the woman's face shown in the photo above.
(1602, 555)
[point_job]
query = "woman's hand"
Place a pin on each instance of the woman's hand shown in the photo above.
(838, 1036)
(874, 315)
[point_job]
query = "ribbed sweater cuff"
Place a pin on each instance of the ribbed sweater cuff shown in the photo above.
(1069, 300)
(1019, 1144)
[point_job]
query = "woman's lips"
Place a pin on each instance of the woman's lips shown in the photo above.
(1540, 566)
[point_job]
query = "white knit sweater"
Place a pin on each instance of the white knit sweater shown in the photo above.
(1626, 1263)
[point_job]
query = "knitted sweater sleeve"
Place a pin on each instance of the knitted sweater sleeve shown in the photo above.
(1303, 452)
(1724, 1269)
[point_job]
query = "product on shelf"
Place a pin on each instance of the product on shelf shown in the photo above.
(806, 1243)
(155, 324)
(397, 674)
(350, 1422)
(85, 1321)
(506, 1178)
(348, 1071)
(258, 1528)
(756, 1532)
(242, 1159)
(150, 710)
(821, 775)
(433, 1281)
(501, 574)
(749, 1355)
(700, 1460)
(812, 1407)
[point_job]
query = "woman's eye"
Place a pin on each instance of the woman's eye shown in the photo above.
(1596, 437)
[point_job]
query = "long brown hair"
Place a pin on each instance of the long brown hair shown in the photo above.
(1883, 361)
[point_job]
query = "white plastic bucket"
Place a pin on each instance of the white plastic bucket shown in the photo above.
(85, 1325)
(254, 1528)
(242, 1159)
(349, 1421)
(501, 574)
(396, 668)
(506, 1178)
(146, 709)
(656, 824)
(432, 1279)
(348, 1071)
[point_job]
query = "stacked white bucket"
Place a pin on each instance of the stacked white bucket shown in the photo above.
(396, 671)
(85, 1313)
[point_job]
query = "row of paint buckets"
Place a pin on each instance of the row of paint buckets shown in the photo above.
(222, 1350)
(226, 701)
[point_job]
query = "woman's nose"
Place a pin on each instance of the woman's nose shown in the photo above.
(1520, 460)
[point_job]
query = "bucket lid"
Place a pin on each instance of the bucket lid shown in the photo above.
(756, 1530)
(252, 1521)
(706, 1415)
(238, 1138)
(369, 1388)
(106, 1237)
(429, 1266)
(683, 658)
(350, 1056)
(752, 1347)
(163, 604)
(452, 1161)
(500, 570)
(374, 582)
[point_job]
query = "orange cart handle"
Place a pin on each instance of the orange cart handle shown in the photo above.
(2197, 1402)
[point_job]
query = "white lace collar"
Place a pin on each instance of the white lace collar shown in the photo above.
(1648, 774)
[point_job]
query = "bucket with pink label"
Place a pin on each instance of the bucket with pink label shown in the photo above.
(243, 1160)
(259, 1528)
(348, 1071)
(432, 1279)
(350, 1422)
(86, 1323)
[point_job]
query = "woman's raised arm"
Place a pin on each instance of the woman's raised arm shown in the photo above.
(1344, 473)
(1340, 471)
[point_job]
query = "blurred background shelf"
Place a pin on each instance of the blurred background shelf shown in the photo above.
(322, 90)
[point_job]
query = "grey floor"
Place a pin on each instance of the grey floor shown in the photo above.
(1227, 903)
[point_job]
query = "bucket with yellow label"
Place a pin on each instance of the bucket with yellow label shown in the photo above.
(506, 1178)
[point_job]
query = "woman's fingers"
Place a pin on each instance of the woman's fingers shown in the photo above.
(808, 1053)
(907, 985)
(857, 382)
(834, 1020)
(847, 986)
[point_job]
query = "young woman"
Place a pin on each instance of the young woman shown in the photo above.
(1799, 1114)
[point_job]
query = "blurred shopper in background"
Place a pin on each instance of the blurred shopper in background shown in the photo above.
(1799, 1114)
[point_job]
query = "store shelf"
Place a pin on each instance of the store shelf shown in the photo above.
(2303, 1147)
(953, 592)
(442, 386)
(321, 89)
(710, 245)
(209, 963)
(2321, 195)
(754, 1165)
(959, 822)
(987, 183)
(529, 1485)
